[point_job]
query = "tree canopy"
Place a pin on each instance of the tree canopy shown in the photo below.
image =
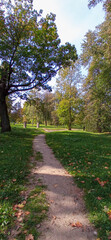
(96, 56)
(67, 94)
(30, 50)
(106, 4)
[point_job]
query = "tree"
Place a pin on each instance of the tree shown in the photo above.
(16, 114)
(32, 108)
(47, 107)
(67, 94)
(96, 55)
(38, 107)
(106, 4)
(30, 51)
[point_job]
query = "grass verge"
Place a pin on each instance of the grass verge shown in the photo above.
(87, 157)
(32, 214)
(15, 152)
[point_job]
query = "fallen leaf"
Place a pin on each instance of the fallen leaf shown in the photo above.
(109, 237)
(29, 237)
(19, 213)
(27, 213)
(14, 180)
(71, 164)
(20, 219)
(77, 224)
(35, 195)
(21, 205)
(24, 202)
(109, 214)
(15, 206)
(102, 183)
(99, 198)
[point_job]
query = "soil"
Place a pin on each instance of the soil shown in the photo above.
(67, 216)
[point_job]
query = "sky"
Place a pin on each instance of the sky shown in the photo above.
(73, 18)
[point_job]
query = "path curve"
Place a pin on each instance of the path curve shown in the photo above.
(66, 205)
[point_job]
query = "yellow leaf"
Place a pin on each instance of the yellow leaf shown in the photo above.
(20, 205)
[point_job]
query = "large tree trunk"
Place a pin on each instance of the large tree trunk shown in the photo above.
(5, 123)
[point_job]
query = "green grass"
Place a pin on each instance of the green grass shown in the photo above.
(39, 156)
(15, 152)
(36, 207)
(53, 127)
(87, 157)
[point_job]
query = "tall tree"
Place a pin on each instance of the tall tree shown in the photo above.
(33, 107)
(30, 51)
(67, 94)
(96, 55)
(47, 106)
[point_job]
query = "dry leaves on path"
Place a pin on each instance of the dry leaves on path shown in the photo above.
(77, 224)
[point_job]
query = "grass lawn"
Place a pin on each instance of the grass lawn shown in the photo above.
(87, 157)
(59, 127)
(15, 152)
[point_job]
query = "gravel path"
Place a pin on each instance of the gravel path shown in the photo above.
(67, 216)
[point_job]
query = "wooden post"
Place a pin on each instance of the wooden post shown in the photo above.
(37, 124)
(25, 124)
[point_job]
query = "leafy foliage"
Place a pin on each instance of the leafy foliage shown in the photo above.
(96, 55)
(106, 4)
(67, 94)
(30, 48)
(39, 107)
(30, 52)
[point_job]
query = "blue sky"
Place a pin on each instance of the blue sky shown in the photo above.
(73, 18)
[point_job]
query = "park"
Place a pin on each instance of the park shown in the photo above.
(55, 144)
(85, 156)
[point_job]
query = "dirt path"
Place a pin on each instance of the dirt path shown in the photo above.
(66, 205)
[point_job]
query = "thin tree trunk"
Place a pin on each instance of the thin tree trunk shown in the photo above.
(70, 122)
(5, 123)
(45, 122)
(99, 129)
